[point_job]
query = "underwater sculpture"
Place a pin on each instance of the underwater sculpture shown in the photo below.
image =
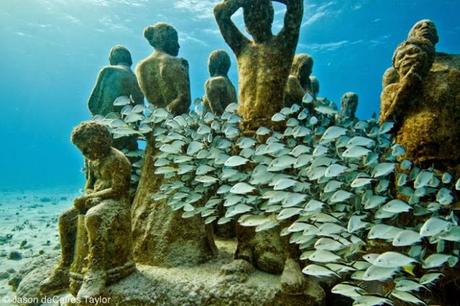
(96, 233)
(425, 102)
(113, 81)
(161, 236)
(349, 105)
(163, 72)
(219, 90)
(314, 86)
(263, 66)
(264, 63)
(299, 81)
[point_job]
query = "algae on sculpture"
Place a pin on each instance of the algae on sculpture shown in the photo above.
(161, 236)
(424, 100)
(264, 63)
(96, 233)
(299, 82)
(219, 90)
(113, 81)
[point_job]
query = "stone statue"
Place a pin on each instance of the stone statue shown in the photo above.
(219, 90)
(423, 29)
(314, 86)
(265, 62)
(299, 83)
(114, 81)
(96, 233)
(163, 72)
(424, 100)
(349, 105)
(161, 236)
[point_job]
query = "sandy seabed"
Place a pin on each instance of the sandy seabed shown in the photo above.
(28, 229)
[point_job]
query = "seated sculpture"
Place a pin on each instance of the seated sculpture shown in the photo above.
(424, 100)
(161, 236)
(299, 82)
(95, 234)
(423, 29)
(219, 90)
(264, 63)
(113, 81)
(163, 77)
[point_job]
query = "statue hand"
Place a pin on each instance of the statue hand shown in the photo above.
(80, 203)
(91, 202)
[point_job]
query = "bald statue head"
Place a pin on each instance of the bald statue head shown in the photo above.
(163, 37)
(218, 63)
(426, 29)
(120, 55)
(258, 16)
(349, 105)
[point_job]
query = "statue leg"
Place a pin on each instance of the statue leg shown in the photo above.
(98, 222)
(59, 279)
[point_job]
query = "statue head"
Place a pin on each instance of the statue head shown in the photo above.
(349, 104)
(314, 86)
(93, 139)
(425, 28)
(163, 37)
(120, 55)
(218, 63)
(302, 66)
(258, 17)
(416, 53)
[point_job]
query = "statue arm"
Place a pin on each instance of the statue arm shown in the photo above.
(179, 78)
(89, 185)
(292, 20)
(94, 99)
(137, 95)
(233, 37)
(121, 173)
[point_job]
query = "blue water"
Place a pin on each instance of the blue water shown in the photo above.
(51, 51)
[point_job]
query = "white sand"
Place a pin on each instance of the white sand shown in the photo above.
(30, 219)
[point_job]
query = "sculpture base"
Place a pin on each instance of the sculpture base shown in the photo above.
(202, 285)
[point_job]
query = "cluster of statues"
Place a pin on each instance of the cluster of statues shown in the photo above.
(421, 93)
(103, 234)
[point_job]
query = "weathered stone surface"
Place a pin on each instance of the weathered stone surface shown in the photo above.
(264, 63)
(113, 81)
(163, 77)
(219, 90)
(349, 105)
(200, 285)
(299, 81)
(425, 102)
(96, 233)
(161, 236)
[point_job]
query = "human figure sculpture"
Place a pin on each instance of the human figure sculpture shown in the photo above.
(95, 234)
(425, 101)
(113, 81)
(161, 236)
(264, 63)
(423, 29)
(163, 77)
(349, 105)
(219, 90)
(314, 86)
(299, 83)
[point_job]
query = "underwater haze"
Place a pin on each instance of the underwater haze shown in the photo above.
(52, 51)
